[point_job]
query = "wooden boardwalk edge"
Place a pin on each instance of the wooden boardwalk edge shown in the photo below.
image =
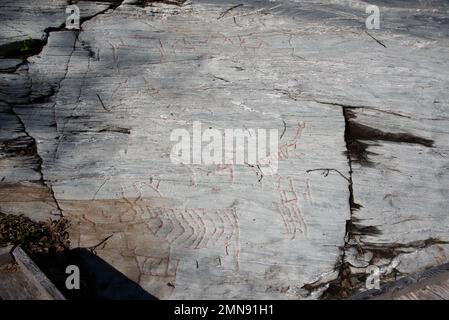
(432, 283)
(47, 289)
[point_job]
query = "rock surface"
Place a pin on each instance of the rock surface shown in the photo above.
(85, 127)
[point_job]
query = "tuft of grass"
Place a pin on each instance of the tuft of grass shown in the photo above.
(34, 237)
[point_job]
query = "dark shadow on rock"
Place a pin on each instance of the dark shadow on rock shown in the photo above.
(98, 279)
(22, 49)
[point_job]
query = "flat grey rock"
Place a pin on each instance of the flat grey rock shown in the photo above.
(363, 123)
(7, 65)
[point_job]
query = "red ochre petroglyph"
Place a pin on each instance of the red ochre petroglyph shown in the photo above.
(290, 211)
(192, 228)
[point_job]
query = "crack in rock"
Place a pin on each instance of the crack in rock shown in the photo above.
(348, 282)
(31, 47)
(33, 150)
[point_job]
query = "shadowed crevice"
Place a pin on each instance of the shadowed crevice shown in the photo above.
(357, 135)
(363, 132)
(22, 49)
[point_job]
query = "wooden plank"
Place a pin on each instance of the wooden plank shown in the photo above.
(430, 284)
(45, 288)
(442, 290)
(15, 285)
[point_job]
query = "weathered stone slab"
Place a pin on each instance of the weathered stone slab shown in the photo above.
(23, 19)
(99, 107)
